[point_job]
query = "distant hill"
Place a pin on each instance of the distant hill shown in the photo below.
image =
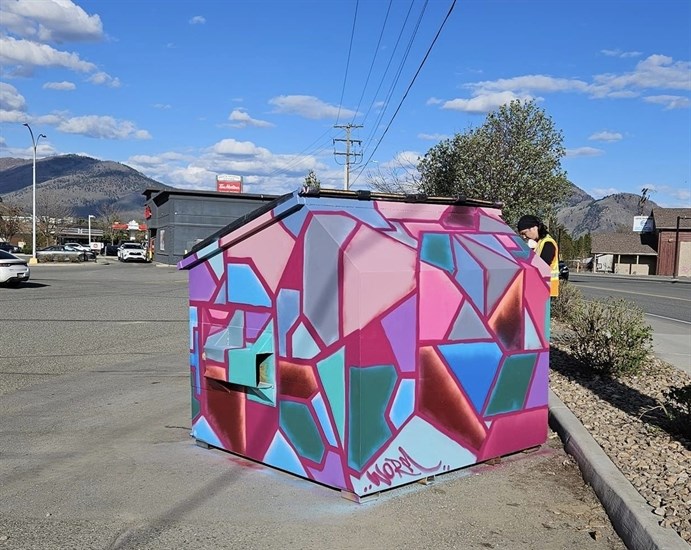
(605, 215)
(83, 185)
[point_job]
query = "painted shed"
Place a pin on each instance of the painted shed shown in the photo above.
(365, 341)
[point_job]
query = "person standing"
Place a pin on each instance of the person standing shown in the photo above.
(530, 228)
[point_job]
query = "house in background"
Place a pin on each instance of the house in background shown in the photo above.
(624, 253)
(657, 249)
(672, 229)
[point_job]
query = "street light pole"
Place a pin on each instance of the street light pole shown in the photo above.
(34, 142)
(90, 216)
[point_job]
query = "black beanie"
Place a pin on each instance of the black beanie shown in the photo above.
(526, 222)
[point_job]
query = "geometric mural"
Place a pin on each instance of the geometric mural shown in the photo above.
(365, 344)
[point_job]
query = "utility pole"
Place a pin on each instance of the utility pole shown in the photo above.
(348, 153)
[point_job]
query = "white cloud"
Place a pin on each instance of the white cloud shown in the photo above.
(307, 106)
(619, 53)
(240, 118)
(104, 127)
(197, 20)
(64, 86)
(10, 98)
(583, 152)
(669, 101)
(24, 53)
(606, 136)
(434, 101)
(262, 170)
(163, 106)
(482, 103)
(654, 72)
(682, 194)
(50, 21)
(100, 78)
(13, 116)
(193, 177)
(433, 137)
(52, 119)
(404, 159)
(528, 83)
(231, 147)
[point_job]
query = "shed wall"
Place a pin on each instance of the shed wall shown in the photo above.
(666, 252)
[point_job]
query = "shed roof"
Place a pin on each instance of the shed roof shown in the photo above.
(620, 243)
(281, 207)
(167, 193)
(666, 218)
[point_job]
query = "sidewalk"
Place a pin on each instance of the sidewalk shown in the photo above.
(628, 511)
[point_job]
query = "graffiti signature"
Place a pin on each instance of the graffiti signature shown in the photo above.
(401, 466)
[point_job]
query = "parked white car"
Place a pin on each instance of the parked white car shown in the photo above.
(79, 246)
(13, 270)
(131, 252)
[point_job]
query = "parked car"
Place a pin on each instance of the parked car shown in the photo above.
(9, 247)
(13, 270)
(563, 271)
(79, 246)
(63, 253)
(110, 250)
(85, 250)
(131, 252)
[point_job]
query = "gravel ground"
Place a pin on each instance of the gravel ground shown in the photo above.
(626, 418)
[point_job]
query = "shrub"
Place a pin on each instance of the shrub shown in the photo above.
(568, 300)
(609, 335)
(679, 408)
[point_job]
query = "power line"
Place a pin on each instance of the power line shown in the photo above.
(350, 48)
(398, 72)
(388, 65)
(429, 50)
(310, 150)
(374, 58)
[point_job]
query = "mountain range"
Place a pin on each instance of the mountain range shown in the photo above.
(76, 185)
(82, 185)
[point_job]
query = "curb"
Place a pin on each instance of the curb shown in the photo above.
(628, 511)
(647, 278)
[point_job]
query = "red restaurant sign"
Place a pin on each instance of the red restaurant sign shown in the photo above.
(226, 183)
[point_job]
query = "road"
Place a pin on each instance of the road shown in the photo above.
(667, 307)
(95, 449)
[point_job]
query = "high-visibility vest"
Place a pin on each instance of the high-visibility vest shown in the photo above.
(554, 266)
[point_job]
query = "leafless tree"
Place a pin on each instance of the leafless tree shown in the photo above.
(11, 220)
(51, 218)
(399, 176)
(108, 214)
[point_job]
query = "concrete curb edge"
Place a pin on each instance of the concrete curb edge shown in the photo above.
(628, 511)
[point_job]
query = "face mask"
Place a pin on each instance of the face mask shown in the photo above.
(532, 244)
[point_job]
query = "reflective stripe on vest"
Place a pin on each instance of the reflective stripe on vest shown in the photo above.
(554, 266)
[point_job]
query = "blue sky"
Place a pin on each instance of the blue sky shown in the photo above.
(186, 90)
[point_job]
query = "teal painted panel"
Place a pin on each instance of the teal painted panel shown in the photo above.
(298, 424)
(512, 385)
(436, 250)
(332, 375)
(370, 391)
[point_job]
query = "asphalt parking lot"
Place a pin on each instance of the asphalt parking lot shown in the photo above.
(95, 449)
